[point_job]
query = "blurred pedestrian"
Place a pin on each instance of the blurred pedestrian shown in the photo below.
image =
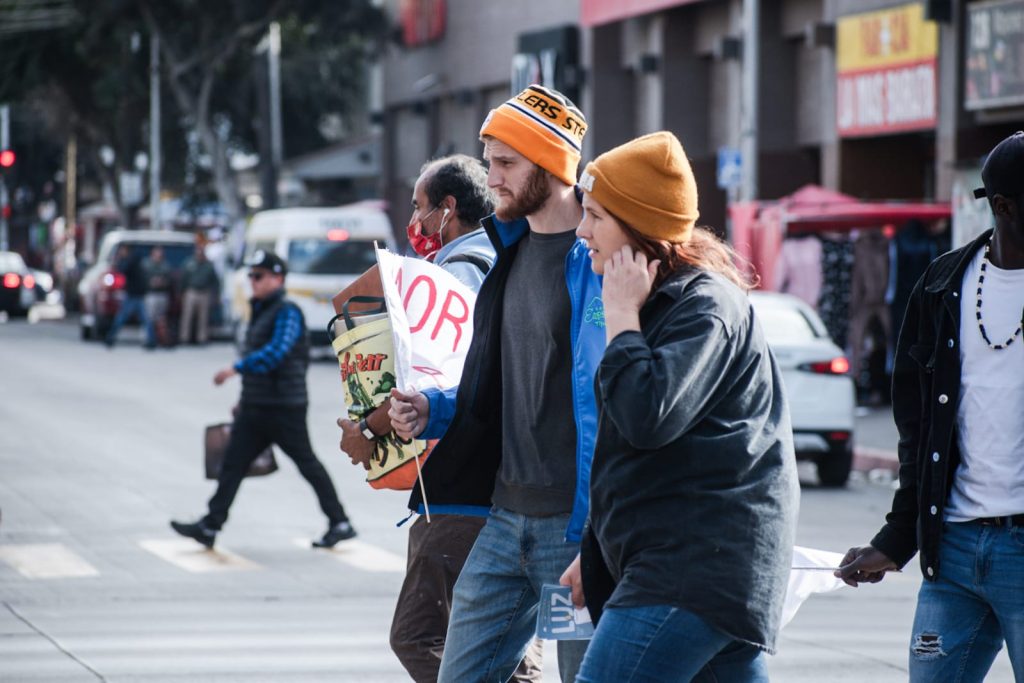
(958, 397)
(158, 296)
(687, 554)
(517, 433)
(200, 286)
(272, 409)
(129, 264)
(449, 200)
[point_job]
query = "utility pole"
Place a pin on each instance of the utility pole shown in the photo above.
(274, 71)
(749, 99)
(154, 132)
(5, 143)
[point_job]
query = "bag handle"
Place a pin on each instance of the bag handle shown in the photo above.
(379, 306)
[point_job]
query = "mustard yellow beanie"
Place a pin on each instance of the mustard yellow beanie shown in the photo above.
(648, 184)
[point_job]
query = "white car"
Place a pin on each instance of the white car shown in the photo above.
(818, 385)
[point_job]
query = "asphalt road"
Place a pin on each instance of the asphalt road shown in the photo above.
(99, 449)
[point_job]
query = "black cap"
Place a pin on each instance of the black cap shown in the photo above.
(267, 260)
(1003, 172)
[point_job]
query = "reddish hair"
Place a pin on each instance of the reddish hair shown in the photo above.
(703, 250)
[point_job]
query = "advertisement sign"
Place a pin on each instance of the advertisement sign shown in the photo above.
(423, 21)
(886, 72)
(597, 12)
(994, 54)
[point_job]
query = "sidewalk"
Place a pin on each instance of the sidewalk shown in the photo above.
(875, 438)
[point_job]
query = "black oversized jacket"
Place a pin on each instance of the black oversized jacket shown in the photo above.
(925, 393)
(694, 491)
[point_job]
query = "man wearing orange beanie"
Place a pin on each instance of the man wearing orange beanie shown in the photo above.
(507, 442)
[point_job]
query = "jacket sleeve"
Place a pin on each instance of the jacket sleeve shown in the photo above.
(898, 538)
(654, 395)
(442, 409)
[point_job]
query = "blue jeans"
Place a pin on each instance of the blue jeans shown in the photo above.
(494, 605)
(659, 643)
(964, 616)
(132, 305)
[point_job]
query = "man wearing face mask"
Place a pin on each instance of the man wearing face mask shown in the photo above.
(449, 200)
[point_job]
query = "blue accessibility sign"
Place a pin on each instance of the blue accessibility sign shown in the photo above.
(730, 168)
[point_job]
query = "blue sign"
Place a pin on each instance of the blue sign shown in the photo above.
(730, 168)
(559, 619)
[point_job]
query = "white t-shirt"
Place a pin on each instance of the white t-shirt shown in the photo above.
(990, 413)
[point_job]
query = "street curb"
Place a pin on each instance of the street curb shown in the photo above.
(867, 459)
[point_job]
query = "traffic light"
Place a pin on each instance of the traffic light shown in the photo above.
(7, 158)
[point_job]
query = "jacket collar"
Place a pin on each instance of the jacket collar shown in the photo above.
(504, 235)
(260, 304)
(677, 282)
(950, 273)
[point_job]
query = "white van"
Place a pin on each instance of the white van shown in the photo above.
(326, 249)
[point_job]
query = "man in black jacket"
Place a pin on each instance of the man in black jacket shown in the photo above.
(273, 405)
(130, 265)
(958, 401)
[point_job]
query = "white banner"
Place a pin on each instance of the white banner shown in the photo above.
(431, 320)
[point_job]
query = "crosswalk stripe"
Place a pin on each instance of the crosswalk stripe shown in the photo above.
(46, 561)
(188, 555)
(363, 556)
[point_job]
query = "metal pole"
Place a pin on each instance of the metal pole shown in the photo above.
(5, 142)
(154, 133)
(750, 105)
(274, 65)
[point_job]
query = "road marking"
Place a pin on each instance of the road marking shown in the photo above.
(46, 561)
(362, 555)
(186, 554)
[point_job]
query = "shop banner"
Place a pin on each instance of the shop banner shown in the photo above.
(597, 12)
(886, 72)
(431, 315)
(994, 72)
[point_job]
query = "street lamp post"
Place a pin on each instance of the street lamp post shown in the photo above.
(750, 104)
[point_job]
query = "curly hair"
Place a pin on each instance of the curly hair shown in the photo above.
(465, 179)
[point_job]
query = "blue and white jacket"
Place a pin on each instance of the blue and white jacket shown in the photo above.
(459, 475)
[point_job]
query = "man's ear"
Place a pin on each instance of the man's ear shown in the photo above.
(1001, 206)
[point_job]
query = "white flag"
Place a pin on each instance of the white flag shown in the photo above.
(811, 573)
(431, 321)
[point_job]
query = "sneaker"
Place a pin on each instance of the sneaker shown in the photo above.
(342, 531)
(197, 531)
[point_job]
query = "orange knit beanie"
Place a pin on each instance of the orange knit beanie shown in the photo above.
(543, 126)
(648, 184)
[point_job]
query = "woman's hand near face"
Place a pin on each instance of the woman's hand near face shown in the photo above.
(628, 279)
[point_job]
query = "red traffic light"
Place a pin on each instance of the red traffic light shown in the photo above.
(7, 158)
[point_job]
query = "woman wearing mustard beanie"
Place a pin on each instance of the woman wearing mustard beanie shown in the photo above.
(694, 495)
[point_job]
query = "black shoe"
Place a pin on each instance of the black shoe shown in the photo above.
(342, 531)
(197, 531)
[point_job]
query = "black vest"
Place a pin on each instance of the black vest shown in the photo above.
(285, 385)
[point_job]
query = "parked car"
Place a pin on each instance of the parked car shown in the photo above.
(17, 285)
(815, 373)
(101, 289)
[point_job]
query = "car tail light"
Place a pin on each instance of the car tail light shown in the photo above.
(337, 235)
(29, 282)
(113, 280)
(12, 280)
(839, 436)
(837, 366)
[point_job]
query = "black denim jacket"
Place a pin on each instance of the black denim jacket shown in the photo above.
(925, 392)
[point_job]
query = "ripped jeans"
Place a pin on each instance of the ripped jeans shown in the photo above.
(976, 604)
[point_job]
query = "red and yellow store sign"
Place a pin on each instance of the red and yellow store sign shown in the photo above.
(886, 72)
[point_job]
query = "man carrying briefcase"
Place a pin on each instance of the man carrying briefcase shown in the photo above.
(272, 409)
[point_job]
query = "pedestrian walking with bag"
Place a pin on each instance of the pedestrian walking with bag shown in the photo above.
(199, 285)
(958, 398)
(517, 434)
(693, 489)
(272, 409)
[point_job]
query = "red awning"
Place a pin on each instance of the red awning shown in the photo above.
(816, 208)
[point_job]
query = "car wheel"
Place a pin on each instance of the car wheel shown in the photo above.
(102, 326)
(834, 467)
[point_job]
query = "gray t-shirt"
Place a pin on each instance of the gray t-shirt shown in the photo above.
(538, 466)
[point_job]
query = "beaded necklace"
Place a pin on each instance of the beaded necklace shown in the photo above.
(981, 325)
